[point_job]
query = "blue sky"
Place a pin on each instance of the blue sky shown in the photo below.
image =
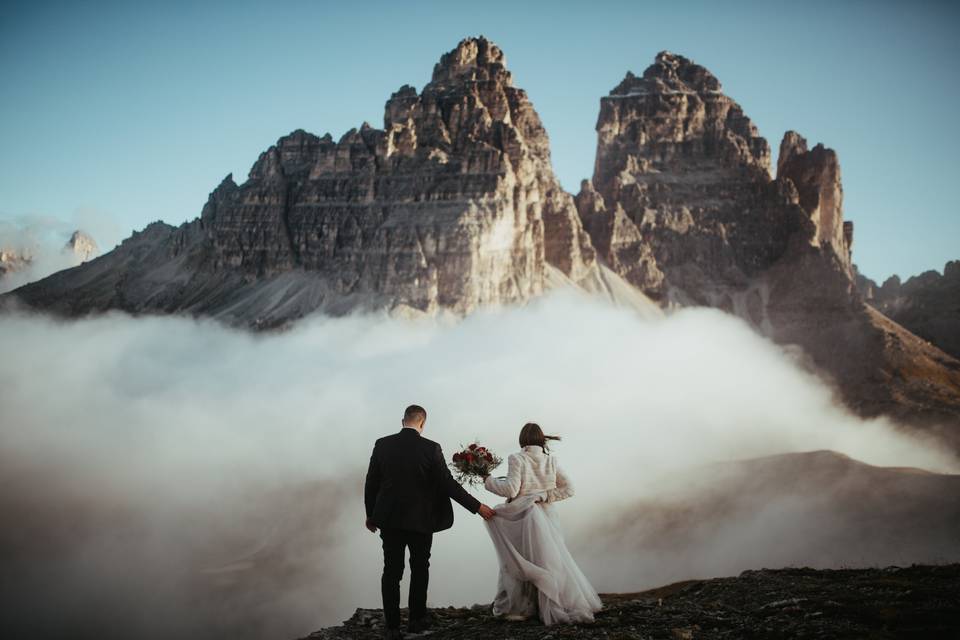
(117, 114)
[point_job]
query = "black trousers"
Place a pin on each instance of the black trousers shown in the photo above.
(395, 542)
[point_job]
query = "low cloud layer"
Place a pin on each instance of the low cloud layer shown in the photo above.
(168, 476)
(41, 238)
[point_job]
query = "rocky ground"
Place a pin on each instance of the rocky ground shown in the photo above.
(914, 602)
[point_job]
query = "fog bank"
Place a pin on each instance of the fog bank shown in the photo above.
(41, 238)
(169, 476)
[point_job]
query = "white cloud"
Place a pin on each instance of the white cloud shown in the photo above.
(187, 476)
(43, 238)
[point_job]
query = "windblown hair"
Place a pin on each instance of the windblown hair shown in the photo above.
(414, 412)
(532, 434)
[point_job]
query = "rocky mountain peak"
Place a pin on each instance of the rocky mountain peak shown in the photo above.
(471, 99)
(669, 73)
(675, 115)
(793, 144)
(13, 259)
(473, 59)
(951, 270)
(451, 206)
(684, 176)
(816, 176)
(81, 245)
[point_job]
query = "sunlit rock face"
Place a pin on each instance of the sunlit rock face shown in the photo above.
(25, 254)
(682, 204)
(692, 213)
(14, 259)
(815, 174)
(81, 246)
(451, 206)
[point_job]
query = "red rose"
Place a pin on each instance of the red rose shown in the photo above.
(489, 458)
(472, 447)
(469, 457)
(456, 457)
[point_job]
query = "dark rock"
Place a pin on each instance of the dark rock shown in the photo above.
(893, 602)
(927, 304)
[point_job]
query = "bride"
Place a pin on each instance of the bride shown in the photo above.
(537, 573)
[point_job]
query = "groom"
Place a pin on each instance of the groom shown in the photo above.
(407, 495)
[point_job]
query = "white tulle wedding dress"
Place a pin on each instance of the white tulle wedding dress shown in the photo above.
(538, 576)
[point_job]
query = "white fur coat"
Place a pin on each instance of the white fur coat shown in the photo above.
(531, 471)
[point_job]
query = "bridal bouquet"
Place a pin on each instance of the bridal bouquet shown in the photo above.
(474, 463)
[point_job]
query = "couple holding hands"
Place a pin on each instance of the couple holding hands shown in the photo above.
(407, 498)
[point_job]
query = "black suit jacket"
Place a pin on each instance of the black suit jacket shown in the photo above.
(409, 485)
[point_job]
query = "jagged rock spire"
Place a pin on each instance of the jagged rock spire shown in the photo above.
(816, 176)
(473, 59)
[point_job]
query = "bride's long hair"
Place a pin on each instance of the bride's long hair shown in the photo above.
(532, 434)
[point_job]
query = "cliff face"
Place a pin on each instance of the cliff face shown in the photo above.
(928, 304)
(683, 205)
(682, 202)
(673, 156)
(452, 205)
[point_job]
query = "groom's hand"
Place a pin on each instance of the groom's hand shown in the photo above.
(372, 528)
(486, 512)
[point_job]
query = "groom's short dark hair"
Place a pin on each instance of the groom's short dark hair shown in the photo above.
(413, 412)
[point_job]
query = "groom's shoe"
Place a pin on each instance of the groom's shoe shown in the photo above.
(419, 625)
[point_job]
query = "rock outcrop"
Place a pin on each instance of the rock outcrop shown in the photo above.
(13, 260)
(81, 246)
(893, 602)
(816, 176)
(30, 256)
(683, 205)
(682, 202)
(927, 304)
(451, 206)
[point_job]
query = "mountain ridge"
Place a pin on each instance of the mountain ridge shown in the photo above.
(453, 206)
(927, 304)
